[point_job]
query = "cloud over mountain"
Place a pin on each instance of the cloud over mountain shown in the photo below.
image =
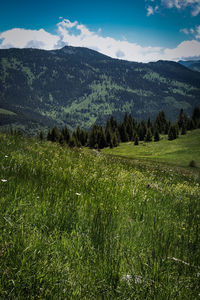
(75, 34)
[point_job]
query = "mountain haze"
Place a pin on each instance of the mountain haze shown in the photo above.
(76, 86)
(191, 64)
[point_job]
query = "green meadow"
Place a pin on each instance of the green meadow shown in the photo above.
(178, 152)
(81, 224)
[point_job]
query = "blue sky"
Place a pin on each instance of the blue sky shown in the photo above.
(138, 30)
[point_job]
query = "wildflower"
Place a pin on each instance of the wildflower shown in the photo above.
(78, 194)
(6, 156)
(4, 180)
(127, 277)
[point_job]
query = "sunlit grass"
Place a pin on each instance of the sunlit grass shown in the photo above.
(178, 152)
(77, 224)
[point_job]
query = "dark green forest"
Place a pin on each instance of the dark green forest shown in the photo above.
(129, 129)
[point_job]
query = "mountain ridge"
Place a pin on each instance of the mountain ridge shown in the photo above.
(78, 86)
(191, 64)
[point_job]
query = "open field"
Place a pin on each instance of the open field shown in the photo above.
(178, 152)
(79, 224)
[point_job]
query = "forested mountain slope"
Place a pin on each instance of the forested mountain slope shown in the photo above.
(77, 86)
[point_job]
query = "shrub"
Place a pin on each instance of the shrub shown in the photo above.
(192, 164)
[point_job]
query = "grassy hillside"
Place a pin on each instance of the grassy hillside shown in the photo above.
(77, 224)
(178, 152)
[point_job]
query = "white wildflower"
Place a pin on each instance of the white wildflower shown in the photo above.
(127, 277)
(6, 156)
(78, 194)
(4, 180)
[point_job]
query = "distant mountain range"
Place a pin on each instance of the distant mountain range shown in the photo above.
(191, 64)
(77, 86)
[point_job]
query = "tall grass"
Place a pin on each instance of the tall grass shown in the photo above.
(80, 225)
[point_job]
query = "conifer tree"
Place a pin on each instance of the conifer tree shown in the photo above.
(172, 134)
(182, 119)
(109, 137)
(176, 128)
(156, 135)
(83, 137)
(196, 116)
(55, 134)
(148, 136)
(115, 141)
(93, 137)
(61, 139)
(160, 122)
(136, 140)
(123, 133)
(190, 124)
(72, 142)
(183, 129)
(41, 136)
(66, 134)
(101, 138)
(49, 135)
(142, 130)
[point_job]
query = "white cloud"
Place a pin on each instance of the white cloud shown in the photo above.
(196, 10)
(183, 50)
(184, 30)
(195, 32)
(150, 11)
(198, 32)
(182, 4)
(23, 38)
(78, 35)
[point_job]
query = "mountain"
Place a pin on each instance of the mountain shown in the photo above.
(191, 64)
(76, 86)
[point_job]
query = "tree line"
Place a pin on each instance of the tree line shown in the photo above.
(129, 129)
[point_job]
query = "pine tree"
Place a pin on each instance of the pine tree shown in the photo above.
(72, 142)
(136, 141)
(176, 128)
(182, 119)
(196, 116)
(49, 136)
(123, 133)
(190, 124)
(142, 130)
(115, 142)
(101, 138)
(55, 134)
(109, 137)
(66, 134)
(61, 139)
(93, 137)
(172, 134)
(148, 136)
(160, 122)
(183, 129)
(156, 136)
(41, 136)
